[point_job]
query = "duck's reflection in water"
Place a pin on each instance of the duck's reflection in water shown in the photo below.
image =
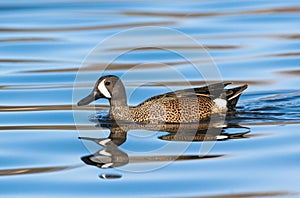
(110, 155)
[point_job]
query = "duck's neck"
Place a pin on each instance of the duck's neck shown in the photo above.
(119, 109)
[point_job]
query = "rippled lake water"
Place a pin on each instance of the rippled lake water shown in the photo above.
(44, 43)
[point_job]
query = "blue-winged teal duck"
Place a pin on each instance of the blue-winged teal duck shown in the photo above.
(182, 106)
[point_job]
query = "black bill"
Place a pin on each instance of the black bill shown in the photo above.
(90, 98)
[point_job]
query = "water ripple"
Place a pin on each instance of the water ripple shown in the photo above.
(84, 28)
(24, 171)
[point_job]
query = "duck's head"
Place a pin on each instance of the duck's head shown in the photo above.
(105, 87)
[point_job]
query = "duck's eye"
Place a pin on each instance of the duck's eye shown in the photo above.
(107, 83)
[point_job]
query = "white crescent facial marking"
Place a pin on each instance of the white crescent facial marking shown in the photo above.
(103, 89)
(103, 152)
(104, 142)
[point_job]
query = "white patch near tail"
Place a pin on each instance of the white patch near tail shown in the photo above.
(103, 89)
(221, 137)
(220, 105)
(107, 165)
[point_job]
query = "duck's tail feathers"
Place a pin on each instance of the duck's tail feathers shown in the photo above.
(216, 87)
(233, 96)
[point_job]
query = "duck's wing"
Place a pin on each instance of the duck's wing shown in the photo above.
(213, 91)
(191, 92)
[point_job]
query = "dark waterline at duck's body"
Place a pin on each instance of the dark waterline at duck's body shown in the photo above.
(182, 106)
